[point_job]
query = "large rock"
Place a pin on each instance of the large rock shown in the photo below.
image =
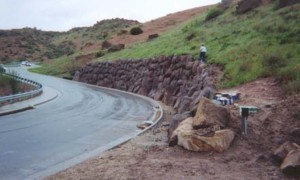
(210, 114)
(175, 121)
(281, 152)
(218, 142)
(291, 164)
(204, 139)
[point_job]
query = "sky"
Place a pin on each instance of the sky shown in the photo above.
(62, 15)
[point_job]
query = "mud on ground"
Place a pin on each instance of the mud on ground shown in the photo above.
(149, 157)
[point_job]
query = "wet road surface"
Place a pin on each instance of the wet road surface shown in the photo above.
(79, 121)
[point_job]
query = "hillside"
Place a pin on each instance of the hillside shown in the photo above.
(26, 43)
(66, 65)
(36, 45)
(89, 39)
(258, 43)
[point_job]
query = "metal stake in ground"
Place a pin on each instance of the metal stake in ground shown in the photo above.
(245, 114)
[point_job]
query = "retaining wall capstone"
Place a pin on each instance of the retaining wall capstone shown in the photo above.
(178, 81)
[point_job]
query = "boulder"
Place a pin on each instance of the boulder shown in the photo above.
(152, 36)
(281, 152)
(210, 114)
(179, 123)
(220, 141)
(175, 121)
(291, 164)
(116, 47)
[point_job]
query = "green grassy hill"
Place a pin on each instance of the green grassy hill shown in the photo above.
(259, 43)
(262, 42)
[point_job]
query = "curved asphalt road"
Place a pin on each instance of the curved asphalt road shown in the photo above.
(82, 121)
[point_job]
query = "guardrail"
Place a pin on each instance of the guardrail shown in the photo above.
(21, 96)
(11, 65)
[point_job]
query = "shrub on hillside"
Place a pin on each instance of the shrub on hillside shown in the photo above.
(99, 54)
(293, 85)
(122, 31)
(73, 67)
(13, 83)
(272, 64)
(283, 3)
(116, 47)
(274, 61)
(136, 31)
(225, 4)
(213, 13)
(190, 36)
(2, 70)
(247, 5)
(4, 83)
(106, 44)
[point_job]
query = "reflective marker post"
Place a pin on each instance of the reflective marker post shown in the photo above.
(245, 111)
(245, 114)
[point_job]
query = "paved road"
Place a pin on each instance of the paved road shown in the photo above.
(82, 121)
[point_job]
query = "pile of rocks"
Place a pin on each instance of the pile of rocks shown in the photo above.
(178, 81)
(206, 131)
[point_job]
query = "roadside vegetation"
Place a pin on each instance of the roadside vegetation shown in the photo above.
(8, 85)
(57, 67)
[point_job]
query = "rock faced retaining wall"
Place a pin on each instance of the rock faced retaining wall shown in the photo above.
(178, 81)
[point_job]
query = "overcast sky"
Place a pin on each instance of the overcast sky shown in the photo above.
(62, 15)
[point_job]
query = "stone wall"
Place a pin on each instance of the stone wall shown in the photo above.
(178, 81)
